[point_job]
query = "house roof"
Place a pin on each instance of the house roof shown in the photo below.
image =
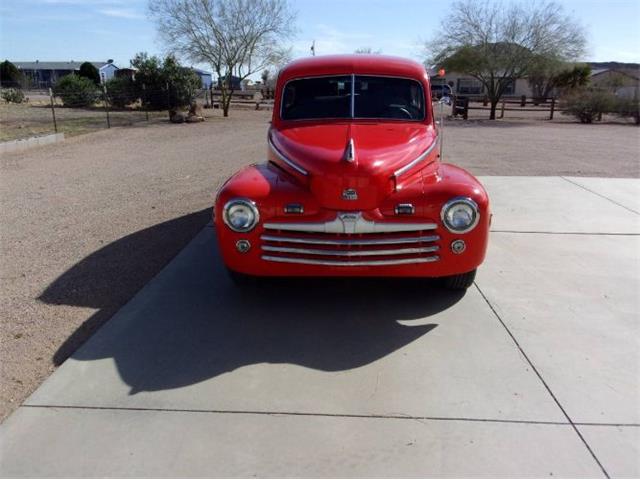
(37, 65)
(629, 72)
(201, 72)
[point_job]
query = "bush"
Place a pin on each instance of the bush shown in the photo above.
(156, 74)
(10, 76)
(628, 107)
(121, 92)
(12, 95)
(88, 70)
(76, 91)
(588, 105)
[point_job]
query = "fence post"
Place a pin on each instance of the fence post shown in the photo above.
(144, 101)
(553, 107)
(502, 110)
(53, 111)
(104, 102)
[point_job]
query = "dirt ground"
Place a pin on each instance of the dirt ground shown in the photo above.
(88, 222)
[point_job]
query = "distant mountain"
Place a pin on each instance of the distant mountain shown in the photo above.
(613, 66)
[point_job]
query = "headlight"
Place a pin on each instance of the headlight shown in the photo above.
(240, 215)
(460, 215)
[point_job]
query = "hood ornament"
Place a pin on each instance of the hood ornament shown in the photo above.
(350, 153)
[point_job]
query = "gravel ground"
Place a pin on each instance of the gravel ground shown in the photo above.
(88, 222)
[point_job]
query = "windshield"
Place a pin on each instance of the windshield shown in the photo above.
(374, 97)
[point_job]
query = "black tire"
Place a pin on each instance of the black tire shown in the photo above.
(242, 279)
(461, 281)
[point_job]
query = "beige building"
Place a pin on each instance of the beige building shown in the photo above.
(623, 82)
(462, 84)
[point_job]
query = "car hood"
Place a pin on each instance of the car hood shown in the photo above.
(357, 156)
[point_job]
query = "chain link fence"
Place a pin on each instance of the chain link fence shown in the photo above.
(42, 112)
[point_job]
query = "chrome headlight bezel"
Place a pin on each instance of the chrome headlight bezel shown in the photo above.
(244, 202)
(456, 201)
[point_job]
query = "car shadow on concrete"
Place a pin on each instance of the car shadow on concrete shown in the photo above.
(111, 276)
(193, 324)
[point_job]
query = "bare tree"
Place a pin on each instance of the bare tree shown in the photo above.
(367, 50)
(236, 37)
(497, 43)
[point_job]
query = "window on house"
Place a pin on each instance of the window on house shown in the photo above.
(510, 89)
(469, 86)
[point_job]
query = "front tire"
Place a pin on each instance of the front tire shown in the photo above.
(461, 281)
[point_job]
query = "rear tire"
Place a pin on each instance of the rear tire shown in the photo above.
(461, 281)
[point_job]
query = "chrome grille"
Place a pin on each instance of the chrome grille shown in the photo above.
(392, 246)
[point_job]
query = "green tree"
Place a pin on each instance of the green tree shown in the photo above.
(183, 82)
(548, 74)
(10, 76)
(89, 70)
(166, 83)
(497, 43)
(76, 91)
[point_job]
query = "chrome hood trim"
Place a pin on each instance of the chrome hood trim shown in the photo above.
(350, 223)
(420, 158)
(285, 159)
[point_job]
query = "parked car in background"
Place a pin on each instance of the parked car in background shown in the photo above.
(353, 184)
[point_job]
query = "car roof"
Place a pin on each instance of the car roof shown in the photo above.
(356, 64)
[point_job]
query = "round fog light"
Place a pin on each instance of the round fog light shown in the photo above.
(243, 246)
(458, 246)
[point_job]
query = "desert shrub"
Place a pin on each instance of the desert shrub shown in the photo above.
(121, 92)
(588, 105)
(89, 70)
(156, 75)
(10, 76)
(76, 91)
(628, 107)
(12, 95)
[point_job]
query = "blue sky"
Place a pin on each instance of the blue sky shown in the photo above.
(101, 29)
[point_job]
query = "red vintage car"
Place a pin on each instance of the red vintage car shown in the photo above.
(353, 184)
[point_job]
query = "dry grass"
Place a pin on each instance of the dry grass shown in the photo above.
(26, 120)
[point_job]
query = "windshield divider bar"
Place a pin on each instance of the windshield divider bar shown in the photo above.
(353, 96)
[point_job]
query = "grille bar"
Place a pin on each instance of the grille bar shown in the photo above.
(350, 223)
(350, 253)
(349, 242)
(351, 263)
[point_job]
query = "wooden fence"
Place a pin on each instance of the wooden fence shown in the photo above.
(462, 104)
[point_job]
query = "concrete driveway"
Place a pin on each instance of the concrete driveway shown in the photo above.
(535, 371)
